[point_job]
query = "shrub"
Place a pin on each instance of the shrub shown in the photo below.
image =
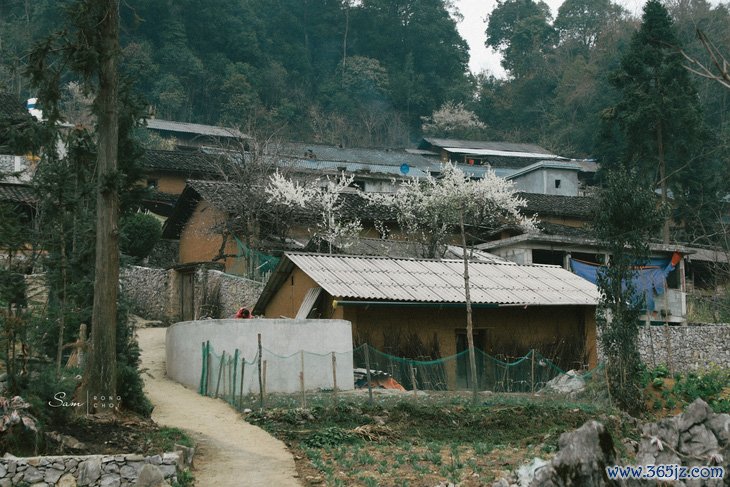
(138, 235)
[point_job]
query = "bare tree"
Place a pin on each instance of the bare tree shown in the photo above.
(717, 70)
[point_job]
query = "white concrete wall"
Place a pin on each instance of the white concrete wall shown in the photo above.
(543, 181)
(282, 341)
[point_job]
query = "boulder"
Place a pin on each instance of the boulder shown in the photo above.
(569, 383)
(582, 459)
(150, 476)
(89, 471)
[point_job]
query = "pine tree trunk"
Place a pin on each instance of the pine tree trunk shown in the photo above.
(101, 369)
(469, 321)
(663, 180)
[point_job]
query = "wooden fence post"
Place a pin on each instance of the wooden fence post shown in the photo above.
(301, 380)
(263, 389)
(220, 371)
(261, 384)
(413, 380)
(532, 372)
(240, 390)
(207, 369)
(334, 377)
(367, 372)
(235, 370)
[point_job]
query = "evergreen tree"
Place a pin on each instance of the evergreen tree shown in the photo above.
(658, 116)
(628, 216)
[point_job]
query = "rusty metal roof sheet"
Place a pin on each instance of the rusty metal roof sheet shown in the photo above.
(441, 281)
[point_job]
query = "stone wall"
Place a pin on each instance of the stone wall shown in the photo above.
(232, 292)
(89, 470)
(685, 348)
(154, 294)
(148, 292)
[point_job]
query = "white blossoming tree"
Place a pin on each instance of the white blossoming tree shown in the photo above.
(431, 211)
(325, 201)
(452, 120)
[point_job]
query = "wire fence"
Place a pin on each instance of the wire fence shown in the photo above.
(304, 377)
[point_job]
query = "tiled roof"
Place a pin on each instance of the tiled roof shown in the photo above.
(382, 157)
(193, 128)
(557, 205)
(11, 108)
(182, 161)
(17, 193)
(434, 281)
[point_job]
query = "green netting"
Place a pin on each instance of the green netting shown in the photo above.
(527, 374)
(258, 263)
(239, 379)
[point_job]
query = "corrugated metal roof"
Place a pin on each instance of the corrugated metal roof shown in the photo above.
(441, 281)
(501, 153)
(484, 144)
(567, 165)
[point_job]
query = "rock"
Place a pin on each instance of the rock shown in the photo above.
(67, 480)
(111, 468)
(32, 475)
(155, 460)
(135, 458)
(11, 466)
(526, 472)
(696, 413)
(247, 411)
(186, 454)
(89, 471)
(150, 476)
(52, 475)
(128, 472)
(659, 441)
(698, 441)
(168, 470)
(110, 480)
(6, 483)
(720, 426)
(501, 483)
(582, 459)
(569, 383)
(39, 484)
(3, 471)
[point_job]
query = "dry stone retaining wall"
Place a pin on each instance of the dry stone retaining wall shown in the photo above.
(88, 470)
(685, 348)
(148, 291)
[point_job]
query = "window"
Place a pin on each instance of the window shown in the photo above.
(557, 183)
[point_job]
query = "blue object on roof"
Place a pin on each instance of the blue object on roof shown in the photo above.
(404, 168)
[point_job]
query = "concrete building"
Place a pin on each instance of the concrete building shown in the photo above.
(516, 307)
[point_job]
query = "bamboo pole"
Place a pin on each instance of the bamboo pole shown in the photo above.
(334, 377)
(220, 372)
(367, 372)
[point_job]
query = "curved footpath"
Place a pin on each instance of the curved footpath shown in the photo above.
(229, 451)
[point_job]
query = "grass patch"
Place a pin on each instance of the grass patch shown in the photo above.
(165, 438)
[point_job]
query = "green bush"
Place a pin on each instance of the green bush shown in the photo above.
(332, 436)
(138, 235)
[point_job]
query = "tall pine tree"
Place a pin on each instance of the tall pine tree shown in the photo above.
(659, 121)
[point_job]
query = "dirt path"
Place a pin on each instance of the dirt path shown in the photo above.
(230, 452)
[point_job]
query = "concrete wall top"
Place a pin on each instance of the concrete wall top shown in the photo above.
(282, 337)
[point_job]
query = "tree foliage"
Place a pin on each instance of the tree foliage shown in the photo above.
(628, 218)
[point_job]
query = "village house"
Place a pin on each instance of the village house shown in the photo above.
(516, 307)
(195, 135)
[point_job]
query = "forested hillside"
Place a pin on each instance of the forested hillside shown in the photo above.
(363, 73)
